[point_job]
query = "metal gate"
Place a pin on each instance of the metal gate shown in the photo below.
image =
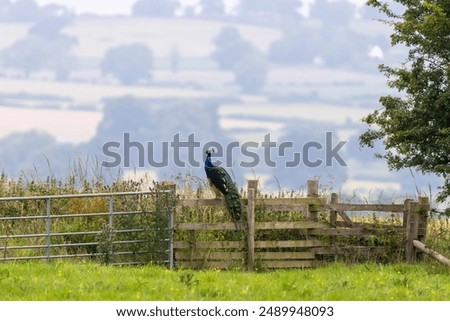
(114, 228)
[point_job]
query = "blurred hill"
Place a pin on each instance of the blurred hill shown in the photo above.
(222, 76)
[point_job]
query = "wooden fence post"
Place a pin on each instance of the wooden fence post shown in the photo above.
(406, 208)
(406, 224)
(251, 227)
(312, 191)
(312, 188)
(253, 183)
(424, 208)
(416, 226)
(412, 230)
(333, 214)
(422, 225)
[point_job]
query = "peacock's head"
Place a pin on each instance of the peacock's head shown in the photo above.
(208, 152)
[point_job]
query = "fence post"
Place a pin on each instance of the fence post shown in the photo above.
(111, 224)
(412, 229)
(169, 203)
(49, 228)
(406, 225)
(406, 208)
(253, 183)
(251, 225)
(333, 214)
(424, 208)
(422, 225)
(173, 214)
(312, 191)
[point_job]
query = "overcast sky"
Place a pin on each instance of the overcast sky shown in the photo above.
(95, 6)
(124, 6)
(103, 6)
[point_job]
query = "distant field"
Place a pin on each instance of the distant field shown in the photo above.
(192, 38)
(336, 99)
(65, 125)
(88, 281)
(92, 94)
(325, 83)
(39, 100)
(315, 112)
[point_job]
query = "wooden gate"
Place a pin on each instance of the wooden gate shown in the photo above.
(307, 231)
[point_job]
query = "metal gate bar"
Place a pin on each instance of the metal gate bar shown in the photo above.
(6, 236)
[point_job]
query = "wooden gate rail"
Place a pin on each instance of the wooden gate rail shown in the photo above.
(296, 253)
(435, 255)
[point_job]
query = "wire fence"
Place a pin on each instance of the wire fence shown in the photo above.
(121, 228)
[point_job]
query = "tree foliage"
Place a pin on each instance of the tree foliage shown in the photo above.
(234, 53)
(46, 47)
(212, 8)
(31, 11)
(415, 125)
(230, 47)
(154, 8)
(283, 8)
(23, 11)
(333, 14)
(298, 45)
(250, 73)
(128, 63)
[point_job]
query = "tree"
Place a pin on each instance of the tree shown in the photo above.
(45, 47)
(50, 27)
(5, 6)
(26, 55)
(250, 72)
(128, 63)
(212, 8)
(34, 151)
(415, 126)
(344, 48)
(333, 14)
(35, 53)
(230, 47)
(154, 8)
(298, 45)
(271, 9)
(174, 59)
(238, 55)
(24, 11)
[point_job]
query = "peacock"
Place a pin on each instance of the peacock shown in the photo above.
(223, 186)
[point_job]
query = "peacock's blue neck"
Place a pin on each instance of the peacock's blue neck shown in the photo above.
(208, 163)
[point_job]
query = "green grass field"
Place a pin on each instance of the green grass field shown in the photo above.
(89, 281)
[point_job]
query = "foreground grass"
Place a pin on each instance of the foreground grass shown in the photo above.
(89, 281)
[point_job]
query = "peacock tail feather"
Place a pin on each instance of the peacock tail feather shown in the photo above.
(222, 185)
